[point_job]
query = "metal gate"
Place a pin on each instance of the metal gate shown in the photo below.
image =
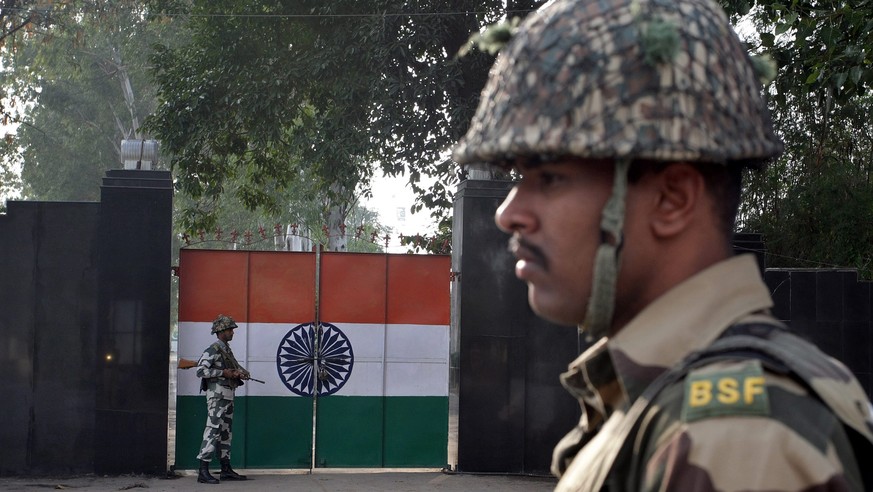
(355, 376)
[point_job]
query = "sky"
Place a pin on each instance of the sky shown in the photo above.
(392, 200)
(7, 195)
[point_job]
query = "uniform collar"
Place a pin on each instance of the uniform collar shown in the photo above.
(686, 318)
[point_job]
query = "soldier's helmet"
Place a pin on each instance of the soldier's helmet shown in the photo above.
(661, 80)
(222, 323)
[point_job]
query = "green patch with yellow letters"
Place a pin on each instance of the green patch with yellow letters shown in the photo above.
(740, 391)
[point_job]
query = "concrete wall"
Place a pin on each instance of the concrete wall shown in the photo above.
(80, 282)
(48, 330)
(84, 320)
(831, 308)
(133, 342)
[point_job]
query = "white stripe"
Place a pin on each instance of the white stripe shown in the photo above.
(417, 358)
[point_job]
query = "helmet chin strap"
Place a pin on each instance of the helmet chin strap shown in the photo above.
(601, 304)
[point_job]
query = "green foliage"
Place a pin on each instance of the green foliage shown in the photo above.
(439, 243)
(813, 203)
(269, 91)
(660, 41)
(820, 47)
(23, 15)
(76, 85)
(812, 206)
(493, 38)
(236, 227)
(765, 68)
(80, 84)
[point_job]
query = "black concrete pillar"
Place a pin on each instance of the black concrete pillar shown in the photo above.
(134, 323)
(505, 397)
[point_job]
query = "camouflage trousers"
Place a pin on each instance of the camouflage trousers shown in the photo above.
(219, 423)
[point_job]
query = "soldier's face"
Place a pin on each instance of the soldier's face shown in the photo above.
(553, 214)
(226, 335)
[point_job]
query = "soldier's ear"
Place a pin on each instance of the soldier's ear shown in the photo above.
(679, 190)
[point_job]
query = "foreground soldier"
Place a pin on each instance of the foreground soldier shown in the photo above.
(630, 122)
(221, 374)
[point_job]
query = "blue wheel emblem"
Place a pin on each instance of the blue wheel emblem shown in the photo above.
(308, 356)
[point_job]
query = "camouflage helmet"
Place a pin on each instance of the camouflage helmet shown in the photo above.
(222, 323)
(661, 80)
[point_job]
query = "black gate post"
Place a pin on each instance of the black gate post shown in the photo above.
(504, 395)
(133, 330)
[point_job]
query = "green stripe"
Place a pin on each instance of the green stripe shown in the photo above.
(416, 433)
(279, 432)
(349, 432)
(262, 437)
(276, 432)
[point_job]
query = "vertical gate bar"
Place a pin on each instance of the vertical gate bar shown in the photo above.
(248, 288)
(315, 353)
(385, 356)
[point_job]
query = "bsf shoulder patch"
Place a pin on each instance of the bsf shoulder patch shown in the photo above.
(739, 391)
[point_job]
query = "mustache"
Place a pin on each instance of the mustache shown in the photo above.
(522, 248)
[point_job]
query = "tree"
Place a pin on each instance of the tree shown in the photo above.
(820, 47)
(15, 15)
(812, 204)
(270, 91)
(236, 227)
(79, 86)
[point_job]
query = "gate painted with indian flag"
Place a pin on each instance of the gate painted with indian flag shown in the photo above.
(374, 341)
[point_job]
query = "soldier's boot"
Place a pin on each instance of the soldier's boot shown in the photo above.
(204, 476)
(227, 472)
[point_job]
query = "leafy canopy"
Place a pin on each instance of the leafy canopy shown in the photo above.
(271, 92)
(811, 205)
(76, 84)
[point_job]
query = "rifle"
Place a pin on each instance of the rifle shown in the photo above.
(231, 363)
(250, 378)
(188, 364)
(247, 376)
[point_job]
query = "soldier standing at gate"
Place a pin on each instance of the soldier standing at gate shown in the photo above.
(220, 375)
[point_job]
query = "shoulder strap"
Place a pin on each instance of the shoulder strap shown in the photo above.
(780, 352)
(230, 361)
(823, 377)
(785, 353)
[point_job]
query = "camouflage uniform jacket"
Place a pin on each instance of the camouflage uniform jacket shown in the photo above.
(215, 359)
(730, 423)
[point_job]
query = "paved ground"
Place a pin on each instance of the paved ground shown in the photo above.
(320, 481)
